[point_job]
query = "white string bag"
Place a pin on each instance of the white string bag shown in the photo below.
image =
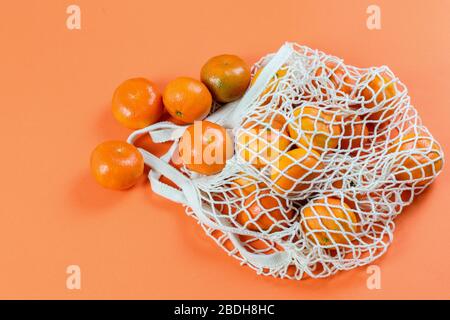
(324, 155)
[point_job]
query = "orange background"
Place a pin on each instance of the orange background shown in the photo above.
(55, 89)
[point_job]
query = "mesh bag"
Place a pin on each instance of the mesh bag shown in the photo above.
(326, 156)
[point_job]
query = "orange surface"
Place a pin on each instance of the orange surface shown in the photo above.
(56, 86)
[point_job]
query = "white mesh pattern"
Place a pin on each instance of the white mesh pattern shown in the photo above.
(325, 158)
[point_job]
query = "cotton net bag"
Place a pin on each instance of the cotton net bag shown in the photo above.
(326, 155)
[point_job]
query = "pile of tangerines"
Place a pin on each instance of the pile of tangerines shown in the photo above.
(137, 103)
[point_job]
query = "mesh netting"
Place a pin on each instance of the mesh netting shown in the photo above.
(326, 156)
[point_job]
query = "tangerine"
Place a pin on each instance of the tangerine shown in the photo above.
(205, 147)
(329, 221)
(226, 76)
(187, 99)
(116, 165)
(295, 170)
(137, 103)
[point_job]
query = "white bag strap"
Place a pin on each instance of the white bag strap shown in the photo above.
(258, 87)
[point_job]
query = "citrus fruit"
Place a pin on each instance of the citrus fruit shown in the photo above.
(261, 145)
(245, 185)
(355, 133)
(313, 125)
(137, 103)
(274, 120)
(222, 239)
(187, 99)
(116, 165)
(226, 76)
(260, 246)
(337, 75)
(266, 212)
(175, 121)
(295, 170)
(222, 204)
(205, 147)
(329, 221)
(379, 90)
(271, 85)
(418, 158)
(382, 132)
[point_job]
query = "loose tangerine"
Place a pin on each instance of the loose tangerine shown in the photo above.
(137, 103)
(187, 99)
(226, 76)
(116, 165)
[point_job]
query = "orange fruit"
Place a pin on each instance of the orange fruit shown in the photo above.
(245, 185)
(365, 199)
(295, 170)
(260, 142)
(205, 147)
(252, 244)
(352, 198)
(261, 145)
(355, 133)
(222, 204)
(384, 195)
(274, 120)
(136, 103)
(226, 76)
(329, 221)
(260, 246)
(224, 241)
(116, 165)
(263, 211)
(382, 132)
(175, 121)
(419, 158)
(338, 75)
(187, 99)
(380, 89)
(313, 125)
(271, 85)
